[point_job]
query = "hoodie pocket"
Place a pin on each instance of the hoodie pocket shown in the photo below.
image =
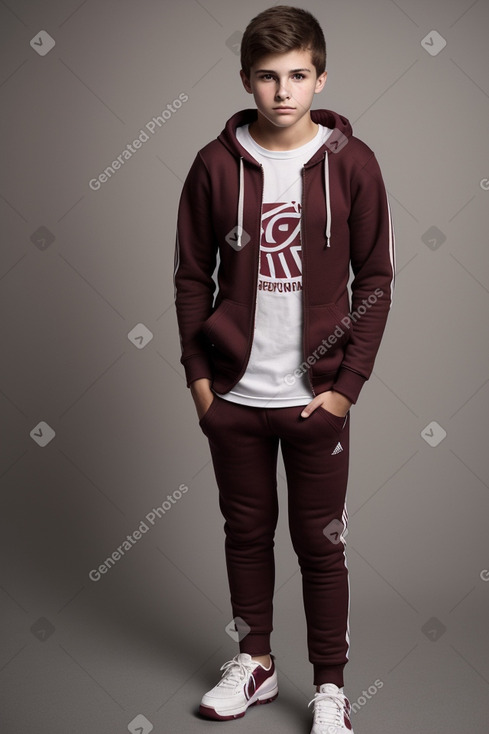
(227, 332)
(329, 331)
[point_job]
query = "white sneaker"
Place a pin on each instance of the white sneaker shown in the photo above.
(331, 711)
(243, 683)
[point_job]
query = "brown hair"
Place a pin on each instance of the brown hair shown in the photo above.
(280, 29)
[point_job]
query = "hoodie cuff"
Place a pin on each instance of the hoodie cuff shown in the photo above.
(349, 383)
(197, 367)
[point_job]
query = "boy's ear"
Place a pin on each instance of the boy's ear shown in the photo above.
(320, 82)
(246, 82)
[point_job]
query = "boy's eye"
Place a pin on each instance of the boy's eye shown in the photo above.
(268, 77)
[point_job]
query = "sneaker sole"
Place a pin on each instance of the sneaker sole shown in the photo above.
(209, 713)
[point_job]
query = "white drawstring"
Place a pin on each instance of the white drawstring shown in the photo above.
(328, 200)
(240, 203)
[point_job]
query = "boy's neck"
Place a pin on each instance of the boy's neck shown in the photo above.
(271, 137)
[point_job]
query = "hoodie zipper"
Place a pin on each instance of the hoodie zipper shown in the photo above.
(304, 257)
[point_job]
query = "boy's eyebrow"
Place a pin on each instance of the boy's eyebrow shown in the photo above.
(271, 71)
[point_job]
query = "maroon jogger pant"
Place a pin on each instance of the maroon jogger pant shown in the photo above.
(244, 445)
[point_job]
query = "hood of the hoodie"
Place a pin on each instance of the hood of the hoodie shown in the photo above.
(335, 143)
(338, 123)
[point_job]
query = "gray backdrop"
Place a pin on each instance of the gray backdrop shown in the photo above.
(99, 434)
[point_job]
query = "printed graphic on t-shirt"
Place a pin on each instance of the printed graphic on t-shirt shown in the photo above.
(280, 257)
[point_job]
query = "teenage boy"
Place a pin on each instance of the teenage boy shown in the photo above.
(285, 201)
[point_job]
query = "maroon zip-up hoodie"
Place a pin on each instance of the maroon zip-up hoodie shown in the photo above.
(345, 222)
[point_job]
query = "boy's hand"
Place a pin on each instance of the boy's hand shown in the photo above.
(332, 401)
(202, 395)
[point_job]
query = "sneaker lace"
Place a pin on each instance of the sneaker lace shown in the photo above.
(235, 672)
(329, 708)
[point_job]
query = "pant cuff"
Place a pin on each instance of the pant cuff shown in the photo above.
(255, 644)
(328, 674)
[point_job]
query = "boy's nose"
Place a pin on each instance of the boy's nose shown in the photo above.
(283, 93)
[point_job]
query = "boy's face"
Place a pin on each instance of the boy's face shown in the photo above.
(283, 86)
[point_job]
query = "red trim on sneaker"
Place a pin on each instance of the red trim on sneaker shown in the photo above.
(258, 677)
(347, 714)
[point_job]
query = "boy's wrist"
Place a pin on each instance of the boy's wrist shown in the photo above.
(336, 402)
(332, 401)
(197, 367)
(201, 386)
(202, 395)
(341, 402)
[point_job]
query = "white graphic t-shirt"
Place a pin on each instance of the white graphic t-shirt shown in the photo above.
(277, 342)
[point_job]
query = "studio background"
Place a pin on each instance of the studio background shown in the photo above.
(99, 429)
